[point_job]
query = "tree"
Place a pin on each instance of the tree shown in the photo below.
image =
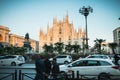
(98, 43)
(76, 48)
(48, 48)
(113, 46)
(68, 48)
(1, 51)
(12, 50)
(59, 47)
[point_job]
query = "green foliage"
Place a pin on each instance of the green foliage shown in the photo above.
(61, 48)
(1, 51)
(48, 48)
(76, 48)
(98, 43)
(12, 50)
(113, 46)
(68, 48)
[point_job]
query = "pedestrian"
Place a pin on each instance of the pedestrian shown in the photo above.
(55, 69)
(47, 68)
(40, 69)
(116, 58)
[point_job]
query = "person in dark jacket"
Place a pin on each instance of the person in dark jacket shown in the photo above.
(116, 58)
(40, 69)
(55, 69)
(47, 68)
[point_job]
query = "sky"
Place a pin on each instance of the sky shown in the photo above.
(29, 16)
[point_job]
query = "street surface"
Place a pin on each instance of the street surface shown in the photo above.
(30, 72)
(29, 69)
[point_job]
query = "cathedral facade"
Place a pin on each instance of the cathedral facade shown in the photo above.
(61, 31)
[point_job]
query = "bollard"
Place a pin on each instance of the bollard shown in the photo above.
(77, 75)
(15, 78)
(73, 75)
(20, 74)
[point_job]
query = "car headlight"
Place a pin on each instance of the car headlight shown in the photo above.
(20, 59)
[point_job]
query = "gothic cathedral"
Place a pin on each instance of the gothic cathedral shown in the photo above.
(61, 31)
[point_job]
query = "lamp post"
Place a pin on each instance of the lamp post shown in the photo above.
(85, 11)
(83, 44)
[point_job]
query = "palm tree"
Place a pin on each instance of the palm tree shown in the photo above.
(98, 43)
(68, 48)
(113, 46)
(76, 48)
(48, 48)
(59, 47)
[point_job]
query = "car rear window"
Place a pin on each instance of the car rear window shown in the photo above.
(7, 57)
(61, 56)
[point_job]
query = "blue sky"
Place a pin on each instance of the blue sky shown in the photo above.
(22, 16)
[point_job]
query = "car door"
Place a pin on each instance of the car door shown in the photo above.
(1, 60)
(77, 66)
(93, 68)
(6, 60)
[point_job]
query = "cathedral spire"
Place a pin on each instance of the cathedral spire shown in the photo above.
(48, 27)
(41, 31)
(54, 20)
(66, 19)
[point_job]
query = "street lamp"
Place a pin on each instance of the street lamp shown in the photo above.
(85, 11)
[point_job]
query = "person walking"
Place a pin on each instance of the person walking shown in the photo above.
(40, 69)
(47, 68)
(116, 58)
(55, 69)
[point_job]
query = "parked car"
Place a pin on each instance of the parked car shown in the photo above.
(102, 56)
(92, 68)
(62, 59)
(12, 60)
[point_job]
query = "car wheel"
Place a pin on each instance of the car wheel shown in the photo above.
(66, 62)
(13, 64)
(104, 76)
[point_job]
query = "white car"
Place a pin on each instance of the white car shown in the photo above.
(12, 60)
(63, 59)
(92, 68)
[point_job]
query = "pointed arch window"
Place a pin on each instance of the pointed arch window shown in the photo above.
(59, 39)
(69, 38)
(60, 31)
(50, 38)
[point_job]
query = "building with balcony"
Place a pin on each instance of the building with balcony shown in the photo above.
(116, 38)
(7, 39)
(4, 35)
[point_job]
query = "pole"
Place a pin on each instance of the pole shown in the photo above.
(86, 33)
(85, 11)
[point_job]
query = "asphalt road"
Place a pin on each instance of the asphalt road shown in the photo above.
(27, 69)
